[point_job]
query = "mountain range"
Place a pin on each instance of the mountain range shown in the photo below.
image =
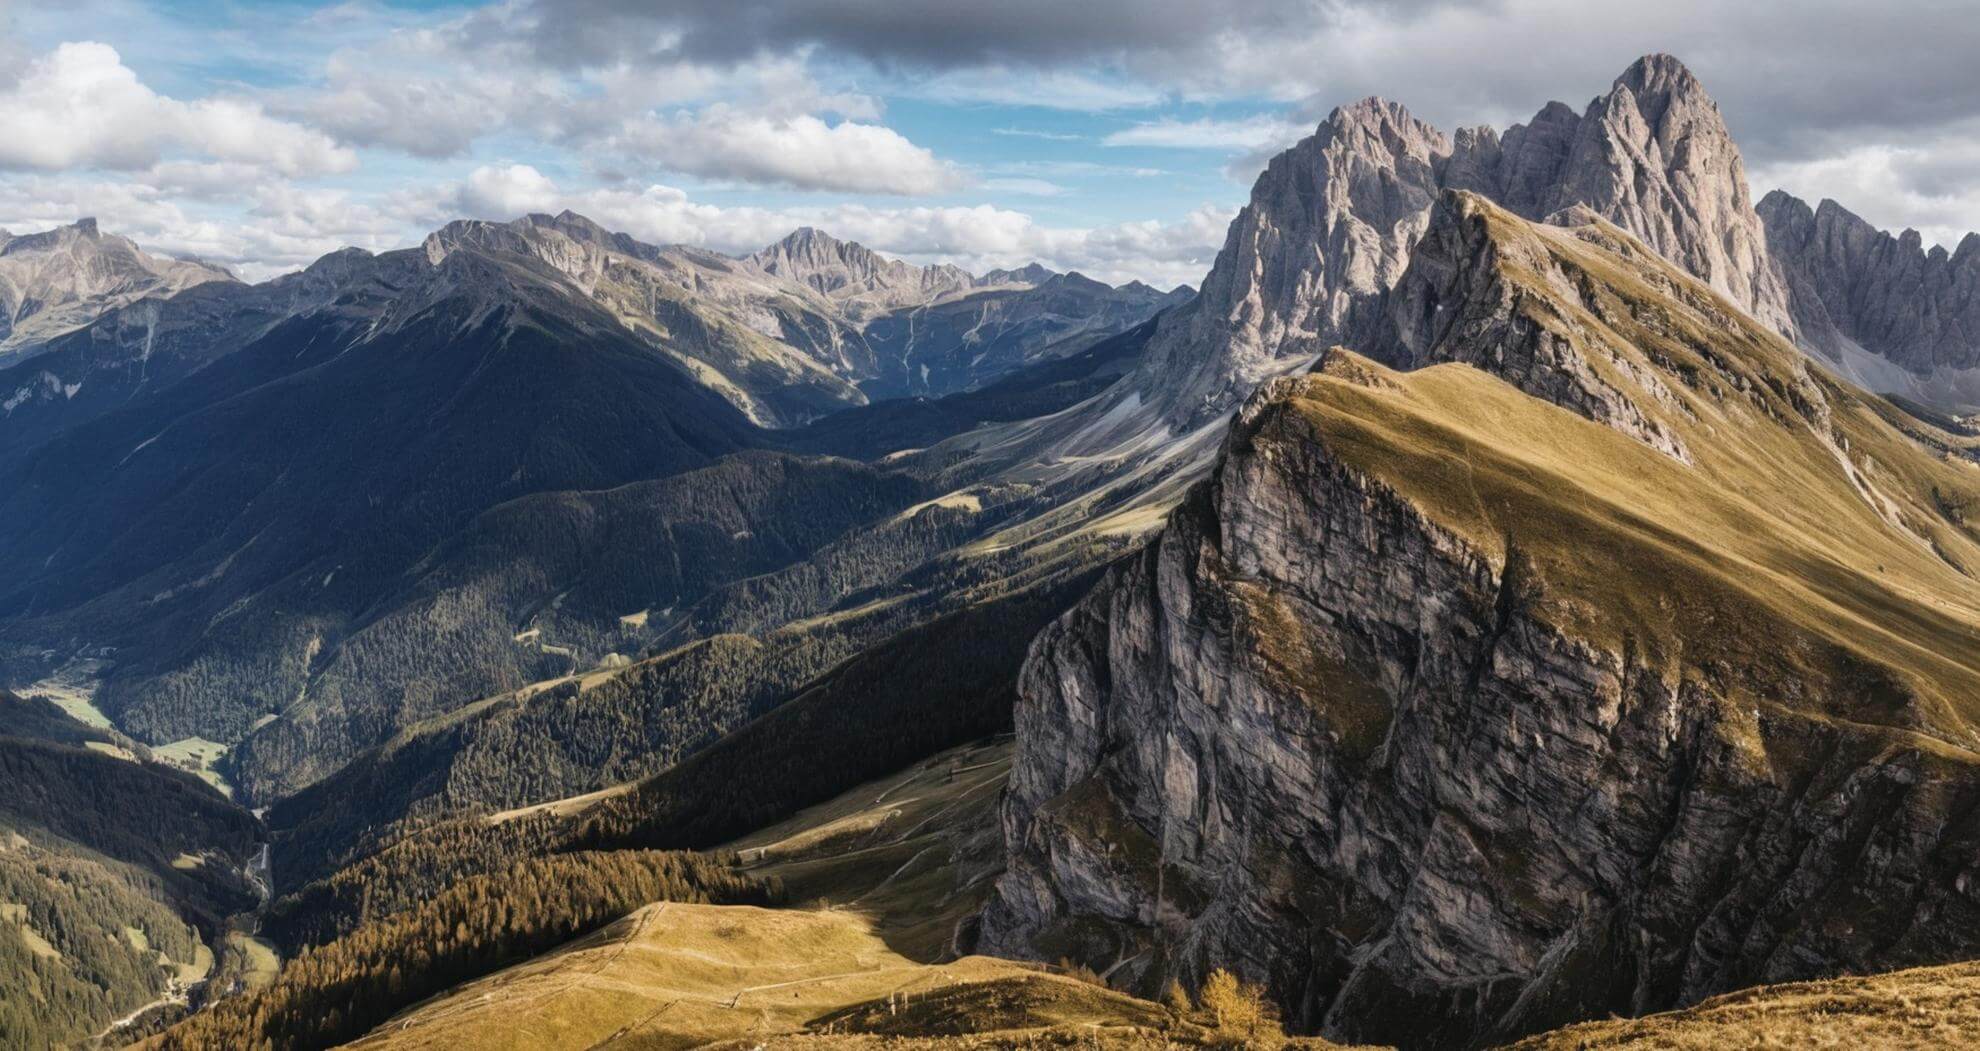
(1501, 598)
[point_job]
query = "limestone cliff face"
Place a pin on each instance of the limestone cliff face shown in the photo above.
(1855, 286)
(1455, 716)
(1328, 230)
(1333, 221)
(1654, 157)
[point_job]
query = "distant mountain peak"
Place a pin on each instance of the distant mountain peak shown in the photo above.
(1030, 274)
(845, 270)
(1854, 288)
(61, 279)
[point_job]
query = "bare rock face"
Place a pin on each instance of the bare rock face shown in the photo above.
(62, 279)
(1855, 289)
(1402, 717)
(852, 273)
(1654, 157)
(1327, 231)
(1333, 220)
(1455, 304)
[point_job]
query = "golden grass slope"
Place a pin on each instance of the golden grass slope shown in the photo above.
(1914, 1010)
(883, 874)
(676, 975)
(1812, 548)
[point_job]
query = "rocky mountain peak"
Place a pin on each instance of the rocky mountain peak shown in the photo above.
(59, 280)
(1332, 222)
(1029, 274)
(1659, 79)
(1327, 231)
(1318, 730)
(848, 270)
(82, 231)
(1655, 157)
(1882, 308)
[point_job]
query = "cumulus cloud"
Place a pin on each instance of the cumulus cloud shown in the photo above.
(930, 33)
(787, 94)
(763, 120)
(79, 106)
(1799, 81)
(801, 151)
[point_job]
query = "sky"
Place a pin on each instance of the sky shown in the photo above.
(1113, 137)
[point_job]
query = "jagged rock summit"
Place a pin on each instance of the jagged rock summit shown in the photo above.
(1654, 157)
(847, 271)
(59, 280)
(1332, 221)
(1884, 310)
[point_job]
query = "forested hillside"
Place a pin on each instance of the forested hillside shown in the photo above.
(336, 992)
(115, 875)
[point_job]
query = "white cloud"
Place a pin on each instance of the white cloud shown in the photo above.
(1025, 187)
(507, 191)
(79, 106)
(800, 151)
(1032, 133)
(1078, 169)
(1251, 133)
(1060, 89)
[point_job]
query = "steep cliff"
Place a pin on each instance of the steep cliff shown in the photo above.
(1328, 229)
(1888, 312)
(1456, 714)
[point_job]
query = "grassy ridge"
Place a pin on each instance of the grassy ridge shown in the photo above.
(337, 991)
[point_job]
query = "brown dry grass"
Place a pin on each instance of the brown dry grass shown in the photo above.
(1795, 562)
(1927, 1008)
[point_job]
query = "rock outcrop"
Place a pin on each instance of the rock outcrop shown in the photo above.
(1458, 302)
(1455, 715)
(1327, 231)
(1333, 220)
(1654, 157)
(1857, 292)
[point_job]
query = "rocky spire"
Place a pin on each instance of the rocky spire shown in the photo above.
(1332, 222)
(1327, 231)
(1655, 157)
(1855, 288)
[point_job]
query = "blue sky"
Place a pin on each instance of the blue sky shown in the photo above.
(1113, 137)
